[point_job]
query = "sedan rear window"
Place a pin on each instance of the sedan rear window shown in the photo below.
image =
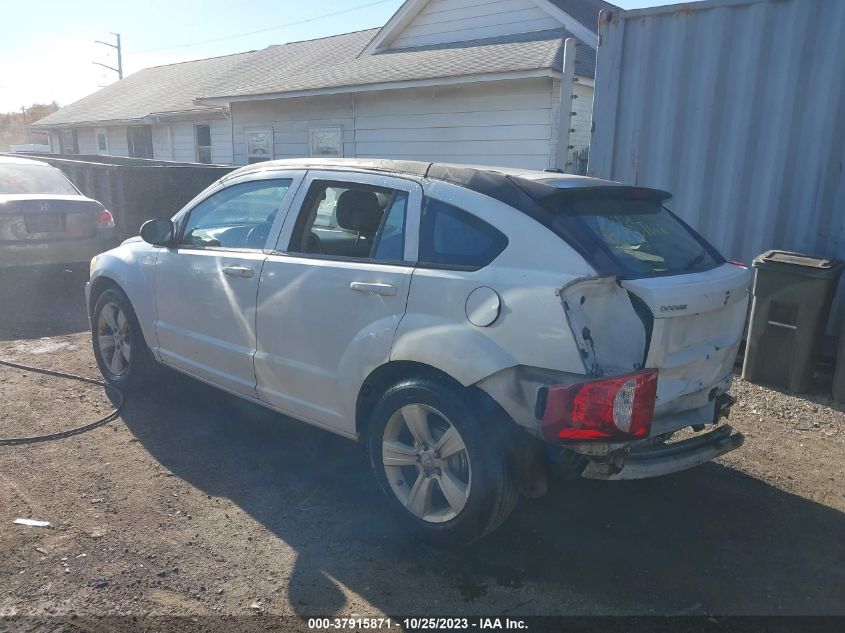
(641, 236)
(24, 179)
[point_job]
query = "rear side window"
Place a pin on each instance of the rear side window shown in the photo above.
(351, 220)
(642, 236)
(452, 237)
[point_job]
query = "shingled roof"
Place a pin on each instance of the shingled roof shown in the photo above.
(329, 64)
(333, 63)
(156, 90)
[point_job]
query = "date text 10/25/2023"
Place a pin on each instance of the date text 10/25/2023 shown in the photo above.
(418, 624)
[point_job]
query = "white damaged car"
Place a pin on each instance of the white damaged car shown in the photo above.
(474, 327)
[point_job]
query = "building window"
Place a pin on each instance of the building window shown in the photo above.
(202, 139)
(68, 142)
(102, 141)
(326, 142)
(140, 139)
(259, 144)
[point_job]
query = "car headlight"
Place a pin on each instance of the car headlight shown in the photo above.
(92, 266)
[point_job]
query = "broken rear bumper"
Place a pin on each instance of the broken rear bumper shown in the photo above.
(665, 458)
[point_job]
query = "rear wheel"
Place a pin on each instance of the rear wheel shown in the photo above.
(441, 469)
(119, 346)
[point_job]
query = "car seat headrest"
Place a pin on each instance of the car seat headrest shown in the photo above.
(359, 210)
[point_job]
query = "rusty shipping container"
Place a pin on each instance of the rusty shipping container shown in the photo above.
(738, 108)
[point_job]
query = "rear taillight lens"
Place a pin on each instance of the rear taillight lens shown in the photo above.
(616, 408)
(105, 220)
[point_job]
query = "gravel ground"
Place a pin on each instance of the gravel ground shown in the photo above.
(195, 503)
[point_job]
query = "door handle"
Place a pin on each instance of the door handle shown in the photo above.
(386, 290)
(238, 271)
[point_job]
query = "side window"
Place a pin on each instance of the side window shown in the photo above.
(450, 236)
(239, 216)
(343, 219)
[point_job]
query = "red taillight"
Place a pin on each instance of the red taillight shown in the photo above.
(616, 408)
(105, 220)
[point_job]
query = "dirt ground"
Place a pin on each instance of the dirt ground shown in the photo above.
(195, 503)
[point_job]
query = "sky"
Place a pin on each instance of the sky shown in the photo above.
(48, 46)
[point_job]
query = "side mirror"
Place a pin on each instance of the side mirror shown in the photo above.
(159, 232)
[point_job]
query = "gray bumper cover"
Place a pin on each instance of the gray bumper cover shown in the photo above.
(663, 459)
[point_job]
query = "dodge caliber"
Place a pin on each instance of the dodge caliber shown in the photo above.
(477, 329)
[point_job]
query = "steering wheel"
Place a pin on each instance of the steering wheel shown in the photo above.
(312, 244)
(257, 236)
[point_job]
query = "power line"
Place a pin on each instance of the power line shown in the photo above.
(265, 30)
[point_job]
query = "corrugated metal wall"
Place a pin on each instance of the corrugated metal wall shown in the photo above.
(738, 108)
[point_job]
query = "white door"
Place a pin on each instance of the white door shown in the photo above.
(206, 286)
(332, 296)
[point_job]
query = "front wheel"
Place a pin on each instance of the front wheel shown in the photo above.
(442, 470)
(120, 350)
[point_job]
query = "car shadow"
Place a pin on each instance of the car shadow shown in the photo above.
(42, 301)
(711, 540)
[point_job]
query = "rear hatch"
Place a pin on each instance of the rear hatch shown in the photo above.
(696, 329)
(663, 298)
(43, 217)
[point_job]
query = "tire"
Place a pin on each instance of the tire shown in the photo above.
(481, 489)
(124, 359)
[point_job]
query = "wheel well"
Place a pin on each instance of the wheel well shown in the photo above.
(525, 452)
(383, 377)
(98, 286)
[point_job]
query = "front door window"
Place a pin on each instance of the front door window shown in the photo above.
(237, 217)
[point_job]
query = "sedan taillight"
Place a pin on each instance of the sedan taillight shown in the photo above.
(608, 409)
(105, 220)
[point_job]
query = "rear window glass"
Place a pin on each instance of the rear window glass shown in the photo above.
(23, 179)
(450, 236)
(642, 236)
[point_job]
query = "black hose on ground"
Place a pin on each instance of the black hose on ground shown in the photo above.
(12, 441)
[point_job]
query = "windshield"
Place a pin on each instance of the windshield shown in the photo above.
(23, 179)
(642, 236)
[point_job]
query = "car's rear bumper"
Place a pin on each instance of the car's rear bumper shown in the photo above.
(665, 458)
(70, 251)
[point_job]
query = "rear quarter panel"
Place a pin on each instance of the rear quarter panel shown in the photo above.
(531, 328)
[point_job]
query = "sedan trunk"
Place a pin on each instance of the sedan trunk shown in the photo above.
(44, 217)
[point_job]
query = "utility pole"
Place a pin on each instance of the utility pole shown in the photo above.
(25, 125)
(117, 47)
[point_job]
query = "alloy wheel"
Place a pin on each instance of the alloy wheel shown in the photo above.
(427, 463)
(113, 339)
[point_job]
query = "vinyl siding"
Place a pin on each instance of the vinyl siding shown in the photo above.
(460, 20)
(291, 120)
(86, 139)
(118, 143)
(498, 123)
(183, 142)
(221, 142)
(161, 142)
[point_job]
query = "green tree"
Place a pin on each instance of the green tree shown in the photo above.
(13, 125)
